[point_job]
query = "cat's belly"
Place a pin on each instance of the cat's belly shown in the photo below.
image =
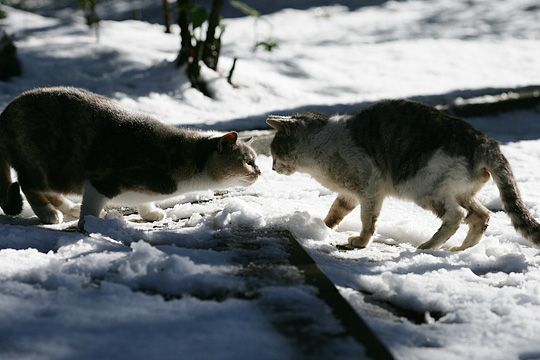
(197, 183)
(342, 185)
(133, 198)
(443, 176)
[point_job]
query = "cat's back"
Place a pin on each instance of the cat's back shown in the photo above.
(402, 135)
(56, 105)
(52, 123)
(61, 111)
(405, 117)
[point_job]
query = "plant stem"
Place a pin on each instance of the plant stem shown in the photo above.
(166, 16)
(212, 44)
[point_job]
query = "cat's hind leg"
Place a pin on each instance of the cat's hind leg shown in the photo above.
(451, 214)
(477, 219)
(66, 206)
(341, 207)
(33, 185)
(369, 213)
(150, 212)
(43, 209)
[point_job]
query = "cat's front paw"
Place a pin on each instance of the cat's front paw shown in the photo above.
(330, 223)
(428, 245)
(359, 242)
(457, 248)
(155, 214)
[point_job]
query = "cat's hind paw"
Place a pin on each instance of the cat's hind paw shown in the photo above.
(154, 214)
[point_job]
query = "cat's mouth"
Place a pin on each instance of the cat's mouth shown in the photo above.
(285, 170)
(282, 168)
(249, 179)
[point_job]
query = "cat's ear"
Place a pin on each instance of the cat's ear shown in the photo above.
(227, 141)
(249, 140)
(280, 122)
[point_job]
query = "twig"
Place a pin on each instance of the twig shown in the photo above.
(229, 77)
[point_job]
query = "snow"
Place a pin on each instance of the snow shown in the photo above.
(140, 328)
(125, 290)
(179, 286)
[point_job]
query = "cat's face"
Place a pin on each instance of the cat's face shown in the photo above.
(292, 133)
(233, 162)
(284, 154)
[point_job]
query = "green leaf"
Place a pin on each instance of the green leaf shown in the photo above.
(245, 8)
(267, 45)
(198, 17)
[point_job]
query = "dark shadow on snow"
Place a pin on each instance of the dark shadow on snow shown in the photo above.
(115, 73)
(151, 11)
(15, 234)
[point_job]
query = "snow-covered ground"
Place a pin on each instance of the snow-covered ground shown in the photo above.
(59, 292)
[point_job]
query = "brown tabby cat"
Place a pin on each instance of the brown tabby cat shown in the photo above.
(70, 141)
(404, 149)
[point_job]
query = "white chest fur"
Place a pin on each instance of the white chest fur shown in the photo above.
(197, 183)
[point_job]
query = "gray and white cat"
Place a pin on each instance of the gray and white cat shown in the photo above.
(70, 141)
(404, 149)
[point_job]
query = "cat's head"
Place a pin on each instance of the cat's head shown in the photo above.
(293, 134)
(233, 161)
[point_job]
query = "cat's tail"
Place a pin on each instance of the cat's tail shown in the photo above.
(502, 174)
(10, 193)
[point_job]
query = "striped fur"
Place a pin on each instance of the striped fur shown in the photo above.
(501, 172)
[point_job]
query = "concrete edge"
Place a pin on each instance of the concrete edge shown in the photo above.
(341, 309)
